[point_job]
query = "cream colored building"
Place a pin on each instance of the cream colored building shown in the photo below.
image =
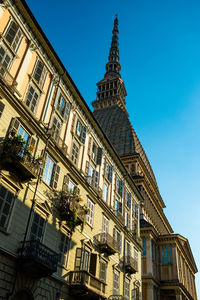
(69, 210)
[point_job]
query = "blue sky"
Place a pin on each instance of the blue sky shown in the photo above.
(159, 44)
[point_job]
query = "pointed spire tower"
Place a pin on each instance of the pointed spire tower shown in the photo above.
(111, 89)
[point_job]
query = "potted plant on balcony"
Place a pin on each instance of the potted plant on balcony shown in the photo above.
(14, 143)
(40, 160)
(70, 209)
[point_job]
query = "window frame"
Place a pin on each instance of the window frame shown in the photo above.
(10, 209)
(90, 215)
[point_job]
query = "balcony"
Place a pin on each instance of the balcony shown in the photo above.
(6, 77)
(131, 265)
(107, 244)
(71, 211)
(86, 286)
(16, 159)
(116, 297)
(37, 260)
(91, 181)
(119, 215)
(59, 142)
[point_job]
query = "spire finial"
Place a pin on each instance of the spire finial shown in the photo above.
(113, 66)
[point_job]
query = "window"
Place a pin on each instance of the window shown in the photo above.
(90, 215)
(51, 173)
(116, 283)
(5, 59)
(105, 192)
(103, 270)
(13, 35)
(105, 225)
(39, 73)
(75, 152)
(127, 248)
(56, 128)
(135, 294)
(119, 186)
(85, 260)
(144, 246)
(94, 151)
(37, 228)
(128, 199)
(136, 255)
(118, 207)
(93, 176)
(127, 219)
(108, 171)
(32, 98)
(48, 170)
(127, 289)
(6, 204)
(80, 131)
(63, 106)
(2, 106)
(63, 248)
(135, 210)
(165, 254)
(118, 238)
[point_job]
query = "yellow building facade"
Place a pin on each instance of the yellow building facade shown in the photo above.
(61, 234)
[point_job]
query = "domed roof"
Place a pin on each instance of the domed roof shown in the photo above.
(115, 123)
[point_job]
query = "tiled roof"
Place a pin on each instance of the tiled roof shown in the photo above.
(116, 125)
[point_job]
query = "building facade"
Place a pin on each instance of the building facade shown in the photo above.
(168, 266)
(69, 210)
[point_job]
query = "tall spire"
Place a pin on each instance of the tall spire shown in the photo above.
(113, 66)
(111, 90)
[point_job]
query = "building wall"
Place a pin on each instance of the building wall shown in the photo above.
(15, 81)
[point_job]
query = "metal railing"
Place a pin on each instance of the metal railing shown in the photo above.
(119, 215)
(106, 239)
(87, 279)
(131, 263)
(13, 153)
(59, 142)
(116, 297)
(33, 249)
(7, 78)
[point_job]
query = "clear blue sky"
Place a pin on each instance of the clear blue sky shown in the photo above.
(159, 45)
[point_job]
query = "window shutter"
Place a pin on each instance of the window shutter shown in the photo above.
(65, 183)
(99, 156)
(2, 106)
(55, 176)
(121, 188)
(14, 125)
(120, 243)
(67, 110)
(129, 200)
(87, 167)
(120, 207)
(6, 204)
(73, 123)
(89, 145)
(44, 155)
(78, 259)
(93, 264)
(83, 134)
(77, 190)
(110, 174)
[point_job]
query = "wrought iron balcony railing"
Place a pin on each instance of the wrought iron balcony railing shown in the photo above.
(16, 159)
(107, 243)
(7, 77)
(94, 185)
(82, 281)
(37, 260)
(119, 215)
(131, 265)
(59, 142)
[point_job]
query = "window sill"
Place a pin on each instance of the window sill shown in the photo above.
(5, 231)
